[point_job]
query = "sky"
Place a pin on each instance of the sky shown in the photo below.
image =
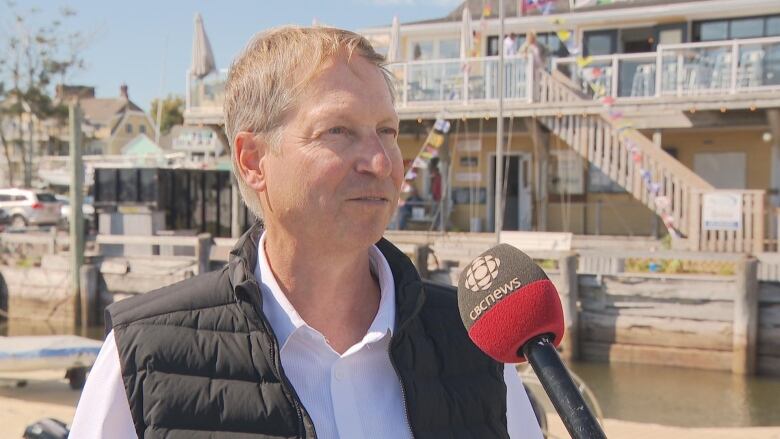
(132, 40)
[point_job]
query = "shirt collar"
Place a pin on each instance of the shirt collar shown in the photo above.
(285, 320)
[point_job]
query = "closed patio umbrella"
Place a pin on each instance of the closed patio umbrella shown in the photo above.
(394, 50)
(202, 56)
(466, 37)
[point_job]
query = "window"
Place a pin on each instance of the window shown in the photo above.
(434, 49)
(747, 28)
(724, 170)
(600, 42)
(20, 198)
(128, 128)
(422, 50)
(142, 129)
(46, 197)
(712, 31)
(449, 49)
(4, 197)
(773, 26)
(750, 27)
(128, 186)
(492, 45)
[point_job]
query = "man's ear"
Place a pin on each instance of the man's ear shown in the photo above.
(250, 150)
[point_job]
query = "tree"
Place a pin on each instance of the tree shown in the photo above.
(172, 112)
(31, 55)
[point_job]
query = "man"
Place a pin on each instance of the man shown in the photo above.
(509, 44)
(317, 327)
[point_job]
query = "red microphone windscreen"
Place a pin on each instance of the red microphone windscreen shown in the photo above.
(505, 300)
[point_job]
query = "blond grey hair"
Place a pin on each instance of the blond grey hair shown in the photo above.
(267, 78)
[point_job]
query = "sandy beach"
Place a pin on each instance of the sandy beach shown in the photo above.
(47, 394)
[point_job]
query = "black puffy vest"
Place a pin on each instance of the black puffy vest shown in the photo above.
(199, 359)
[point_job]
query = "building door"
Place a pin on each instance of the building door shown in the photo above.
(518, 199)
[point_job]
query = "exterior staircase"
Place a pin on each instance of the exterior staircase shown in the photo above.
(668, 187)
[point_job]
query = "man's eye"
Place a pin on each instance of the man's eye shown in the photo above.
(388, 132)
(338, 131)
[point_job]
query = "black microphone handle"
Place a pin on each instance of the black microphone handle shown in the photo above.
(561, 390)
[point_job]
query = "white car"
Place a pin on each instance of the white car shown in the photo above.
(30, 207)
(87, 209)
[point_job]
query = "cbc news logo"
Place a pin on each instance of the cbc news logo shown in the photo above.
(481, 273)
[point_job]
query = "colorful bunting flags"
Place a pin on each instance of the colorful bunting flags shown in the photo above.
(615, 114)
(435, 139)
(442, 125)
(563, 35)
(583, 62)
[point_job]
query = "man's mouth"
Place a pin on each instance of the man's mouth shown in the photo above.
(370, 198)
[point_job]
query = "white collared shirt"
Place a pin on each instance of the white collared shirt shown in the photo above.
(353, 395)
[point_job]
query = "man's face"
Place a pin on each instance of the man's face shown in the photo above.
(337, 174)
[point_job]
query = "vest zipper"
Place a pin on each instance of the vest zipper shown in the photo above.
(403, 389)
(277, 362)
(286, 383)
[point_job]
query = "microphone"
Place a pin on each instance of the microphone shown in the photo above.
(512, 312)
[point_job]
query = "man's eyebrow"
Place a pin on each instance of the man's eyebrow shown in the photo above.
(346, 116)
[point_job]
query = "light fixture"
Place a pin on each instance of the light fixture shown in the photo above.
(419, 120)
(766, 137)
(753, 107)
(722, 109)
(692, 110)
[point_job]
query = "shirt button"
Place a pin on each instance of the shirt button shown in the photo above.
(339, 374)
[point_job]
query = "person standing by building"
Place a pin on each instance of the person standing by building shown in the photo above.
(509, 44)
(536, 50)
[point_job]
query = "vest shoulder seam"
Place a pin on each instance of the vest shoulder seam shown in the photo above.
(140, 321)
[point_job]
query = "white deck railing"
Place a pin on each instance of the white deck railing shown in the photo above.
(206, 94)
(688, 69)
(461, 81)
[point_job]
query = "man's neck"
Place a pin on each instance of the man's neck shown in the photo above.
(334, 292)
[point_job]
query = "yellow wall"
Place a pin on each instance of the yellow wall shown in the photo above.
(620, 213)
(758, 152)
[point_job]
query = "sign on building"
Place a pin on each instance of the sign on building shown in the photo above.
(722, 211)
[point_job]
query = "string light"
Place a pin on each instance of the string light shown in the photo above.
(753, 107)
(419, 120)
(722, 109)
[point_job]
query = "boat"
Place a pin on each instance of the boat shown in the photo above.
(43, 352)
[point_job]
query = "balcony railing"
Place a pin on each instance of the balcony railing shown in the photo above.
(690, 69)
(207, 94)
(457, 81)
(676, 70)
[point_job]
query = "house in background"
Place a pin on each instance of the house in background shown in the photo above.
(110, 123)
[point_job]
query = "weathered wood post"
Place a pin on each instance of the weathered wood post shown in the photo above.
(88, 295)
(203, 252)
(52, 245)
(745, 317)
(569, 292)
(76, 199)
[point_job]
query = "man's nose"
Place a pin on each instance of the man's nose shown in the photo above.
(374, 157)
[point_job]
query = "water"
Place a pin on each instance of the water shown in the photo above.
(682, 397)
(640, 393)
